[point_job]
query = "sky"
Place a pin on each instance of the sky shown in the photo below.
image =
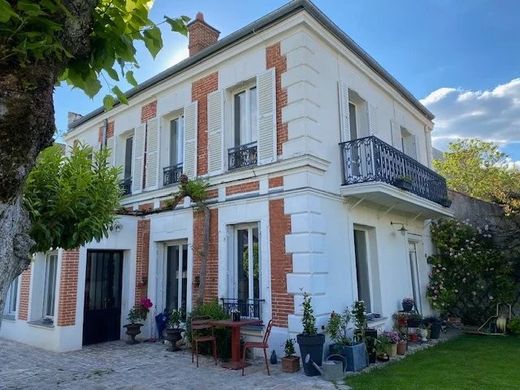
(461, 58)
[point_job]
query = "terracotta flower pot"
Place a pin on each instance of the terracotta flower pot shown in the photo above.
(290, 363)
(401, 348)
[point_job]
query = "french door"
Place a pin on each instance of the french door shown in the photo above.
(414, 271)
(245, 267)
(176, 276)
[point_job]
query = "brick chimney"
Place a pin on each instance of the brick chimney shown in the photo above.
(201, 34)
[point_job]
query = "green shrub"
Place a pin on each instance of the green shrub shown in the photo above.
(514, 326)
(223, 335)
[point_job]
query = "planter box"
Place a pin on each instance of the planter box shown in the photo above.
(311, 350)
(403, 184)
(290, 363)
(356, 355)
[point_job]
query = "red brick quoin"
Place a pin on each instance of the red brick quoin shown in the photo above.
(148, 111)
(25, 285)
(281, 263)
(275, 59)
(110, 132)
(142, 259)
(199, 92)
(211, 292)
(68, 288)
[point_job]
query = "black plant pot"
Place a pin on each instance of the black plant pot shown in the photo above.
(173, 335)
(133, 330)
(435, 329)
(371, 337)
(312, 346)
(407, 306)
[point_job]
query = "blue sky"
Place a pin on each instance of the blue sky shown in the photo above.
(461, 56)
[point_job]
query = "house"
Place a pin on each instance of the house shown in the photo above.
(319, 165)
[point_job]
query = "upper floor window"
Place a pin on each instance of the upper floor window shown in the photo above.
(12, 299)
(408, 143)
(49, 290)
(352, 110)
(172, 173)
(245, 116)
(126, 183)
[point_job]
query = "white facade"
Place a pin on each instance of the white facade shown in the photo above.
(328, 220)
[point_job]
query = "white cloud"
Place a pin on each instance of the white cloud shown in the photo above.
(492, 115)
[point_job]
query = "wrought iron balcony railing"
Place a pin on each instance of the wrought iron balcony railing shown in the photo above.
(242, 156)
(126, 186)
(172, 174)
(250, 308)
(370, 159)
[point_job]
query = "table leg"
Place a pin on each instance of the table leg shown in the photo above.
(236, 353)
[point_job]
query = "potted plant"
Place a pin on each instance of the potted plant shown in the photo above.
(401, 346)
(393, 339)
(362, 333)
(403, 182)
(408, 304)
(382, 346)
(138, 313)
(309, 341)
(414, 320)
(434, 324)
(290, 362)
(173, 330)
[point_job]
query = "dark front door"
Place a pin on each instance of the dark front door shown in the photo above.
(103, 282)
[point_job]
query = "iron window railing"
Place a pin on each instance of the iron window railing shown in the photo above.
(126, 186)
(250, 308)
(242, 156)
(172, 174)
(370, 159)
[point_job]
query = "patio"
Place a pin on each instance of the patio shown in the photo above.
(115, 365)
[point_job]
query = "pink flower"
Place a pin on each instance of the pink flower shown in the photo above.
(146, 303)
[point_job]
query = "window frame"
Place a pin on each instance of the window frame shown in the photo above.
(253, 133)
(46, 299)
(179, 140)
(125, 160)
(12, 295)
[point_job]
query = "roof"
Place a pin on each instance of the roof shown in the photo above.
(266, 21)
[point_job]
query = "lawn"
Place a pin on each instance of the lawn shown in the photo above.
(468, 362)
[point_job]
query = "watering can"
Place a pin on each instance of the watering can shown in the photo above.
(333, 368)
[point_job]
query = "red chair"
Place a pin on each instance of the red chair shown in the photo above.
(203, 324)
(259, 345)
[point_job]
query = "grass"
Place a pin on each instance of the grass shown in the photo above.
(468, 362)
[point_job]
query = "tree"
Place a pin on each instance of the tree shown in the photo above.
(479, 169)
(41, 44)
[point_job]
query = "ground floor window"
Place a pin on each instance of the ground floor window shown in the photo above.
(12, 299)
(414, 270)
(49, 290)
(176, 276)
(362, 268)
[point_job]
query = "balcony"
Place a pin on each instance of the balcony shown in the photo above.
(251, 308)
(126, 186)
(172, 174)
(242, 156)
(377, 172)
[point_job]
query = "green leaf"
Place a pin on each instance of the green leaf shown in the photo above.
(120, 95)
(112, 73)
(108, 102)
(91, 86)
(153, 40)
(130, 78)
(6, 12)
(178, 24)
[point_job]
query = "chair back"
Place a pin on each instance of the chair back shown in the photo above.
(268, 331)
(201, 322)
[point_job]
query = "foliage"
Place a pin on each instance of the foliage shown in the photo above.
(32, 31)
(467, 362)
(308, 319)
(513, 326)
(360, 315)
(175, 318)
(71, 199)
(469, 275)
(479, 169)
(216, 312)
(289, 348)
(140, 311)
(337, 327)
(382, 343)
(392, 336)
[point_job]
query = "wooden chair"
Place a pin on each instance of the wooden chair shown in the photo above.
(259, 345)
(202, 324)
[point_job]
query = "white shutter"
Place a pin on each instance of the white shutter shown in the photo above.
(266, 100)
(138, 153)
(396, 135)
(152, 154)
(215, 132)
(372, 117)
(190, 140)
(344, 114)
(110, 147)
(410, 146)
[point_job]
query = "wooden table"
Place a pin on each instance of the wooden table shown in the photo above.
(236, 361)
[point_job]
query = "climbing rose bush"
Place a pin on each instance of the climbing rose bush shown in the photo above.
(469, 276)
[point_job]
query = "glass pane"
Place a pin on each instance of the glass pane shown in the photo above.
(253, 115)
(256, 266)
(173, 141)
(180, 140)
(362, 270)
(240, 118)
(128, 157)
(13, 295)
(172, 282)
(243, 266)
(353, 121)
(50, 285)
(184, 290)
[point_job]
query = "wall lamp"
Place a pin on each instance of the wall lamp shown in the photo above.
(403, 230)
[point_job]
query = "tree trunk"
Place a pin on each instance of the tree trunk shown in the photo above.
(204, 257)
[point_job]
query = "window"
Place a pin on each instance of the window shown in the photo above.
(49, 289)
(245, 116)
(362, 268)
(128, 157)
(176, 141)
(408, 143)
(414, 270)
(12, 299)
(245, 269)
(176, 276)
(353, 120)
